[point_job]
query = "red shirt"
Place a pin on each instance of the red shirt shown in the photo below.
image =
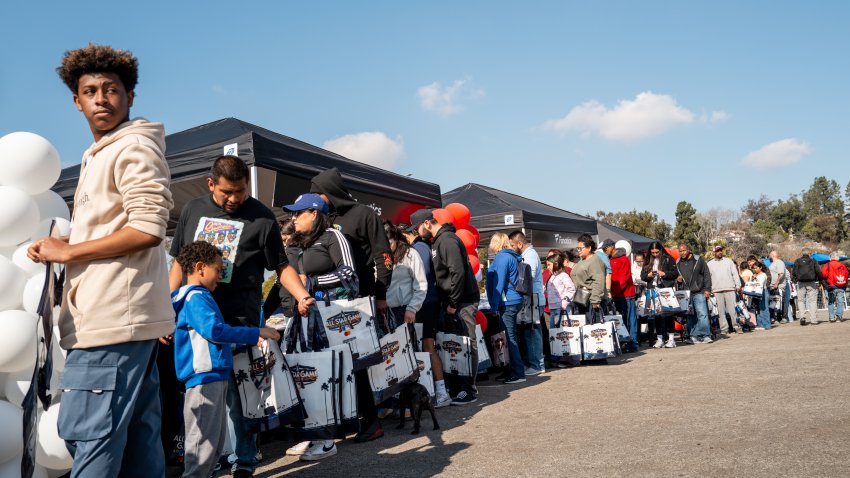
(622, 285)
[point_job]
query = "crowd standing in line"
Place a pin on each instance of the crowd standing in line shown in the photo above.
(112, 416)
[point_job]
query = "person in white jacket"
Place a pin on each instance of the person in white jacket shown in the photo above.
(409, 285)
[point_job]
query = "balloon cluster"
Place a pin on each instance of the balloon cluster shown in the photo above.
(30, 166)
(458, 214)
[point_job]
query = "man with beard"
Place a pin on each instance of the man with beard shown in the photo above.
(458, 288)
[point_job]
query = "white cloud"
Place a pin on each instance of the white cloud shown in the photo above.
(647, 115)
(719, 116)
(372, 147)
(445, 101)
(779, 154)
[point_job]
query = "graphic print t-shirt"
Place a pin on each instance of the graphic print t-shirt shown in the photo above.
(250, 243)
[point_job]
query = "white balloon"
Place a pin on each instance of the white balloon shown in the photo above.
(18, 216)
(12, 282)
(50, 451)
(43, 229)
(51, 204)
(56, 473)
(32, 293)
(19, 257)
(29, 162)
(624, 244)
(11, 436)
(7, 251)
(17, 386)
(17, 341)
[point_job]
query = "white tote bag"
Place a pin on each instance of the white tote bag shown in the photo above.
(684, 298)
(619, 327)
(529, 313)
(574, 320)
(455, 354)
(347, 391)
(267, 389)
(484, 361)
(351, 322)
(398, 367)
(315, 375)
(667, 298)
(599, 342)
(565, 344)
(426, 377)
(753, 288)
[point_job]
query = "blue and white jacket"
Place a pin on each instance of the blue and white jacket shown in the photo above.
(202, 340)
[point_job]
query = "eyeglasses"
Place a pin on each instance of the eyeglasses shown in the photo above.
(578, 248)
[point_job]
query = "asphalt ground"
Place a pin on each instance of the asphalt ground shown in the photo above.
(767, 403)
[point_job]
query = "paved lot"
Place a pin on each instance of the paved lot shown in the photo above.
(760, 404)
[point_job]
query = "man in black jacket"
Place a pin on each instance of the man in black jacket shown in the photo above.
(373, 262)
(459, 294)
(695, 277)
(806, 273)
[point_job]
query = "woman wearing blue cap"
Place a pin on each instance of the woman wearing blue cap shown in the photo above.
(328, 266)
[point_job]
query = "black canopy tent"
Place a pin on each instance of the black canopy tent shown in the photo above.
(545, 226)
(639, 243)
(281, 169)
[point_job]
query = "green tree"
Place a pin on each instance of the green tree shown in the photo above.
(824, 209)
(688, 227)
(756, 209)
(789, 215)
(644, 223)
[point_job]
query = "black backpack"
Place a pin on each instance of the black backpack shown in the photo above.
(524, 281)
(805, 269)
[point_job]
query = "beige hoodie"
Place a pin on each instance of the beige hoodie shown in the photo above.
(123, 182)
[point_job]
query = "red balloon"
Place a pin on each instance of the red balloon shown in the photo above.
(460, 213)
(475, 234)
(442, 216)
(468, 240)
(672, 252)
(475, 263)
(481, 320)
(677, 326)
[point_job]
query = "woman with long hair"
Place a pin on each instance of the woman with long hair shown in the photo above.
(760, 304)
(659, 272)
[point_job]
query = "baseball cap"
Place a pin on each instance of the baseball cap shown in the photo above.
(718, 248)
(418, 218)
(308, 201)
(606, 243)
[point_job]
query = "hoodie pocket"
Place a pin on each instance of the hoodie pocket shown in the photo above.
(87, 393)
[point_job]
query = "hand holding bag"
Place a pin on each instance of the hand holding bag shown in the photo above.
(753, 288)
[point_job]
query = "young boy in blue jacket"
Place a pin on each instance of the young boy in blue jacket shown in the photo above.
(203, 357)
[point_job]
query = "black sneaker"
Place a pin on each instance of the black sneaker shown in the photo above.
(502, 377)
(514, 380)
(463, 398)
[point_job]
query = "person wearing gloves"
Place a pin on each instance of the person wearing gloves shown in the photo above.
(660, 272)
(695, 277)
(503, 297)
(623, 292)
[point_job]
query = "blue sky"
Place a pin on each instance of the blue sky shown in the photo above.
(583, 105)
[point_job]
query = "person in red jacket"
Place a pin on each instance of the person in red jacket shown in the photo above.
(623, 291)
(835, 274)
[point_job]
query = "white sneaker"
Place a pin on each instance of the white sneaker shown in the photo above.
(532, 371)
(658, 343)
(671, 344)
(319, 450)
(298, 449)
(706, 340)
(443, 400)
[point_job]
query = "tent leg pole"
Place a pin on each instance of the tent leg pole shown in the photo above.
(254, 187)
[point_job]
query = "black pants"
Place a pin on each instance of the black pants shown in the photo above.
(172, 406)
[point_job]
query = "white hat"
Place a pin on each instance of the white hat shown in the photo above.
(624, 244)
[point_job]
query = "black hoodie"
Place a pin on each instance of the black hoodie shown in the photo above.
(455, 279)
(362, 226)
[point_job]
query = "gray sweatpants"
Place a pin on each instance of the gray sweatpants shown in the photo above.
(205, 417)
(726, 305)
(807, 301)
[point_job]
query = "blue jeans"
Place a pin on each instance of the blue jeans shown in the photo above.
(509, 321)
(836, 303)
(111, 414)
(244, 442)
(698, 327)
(626, 308)
(534, 344)
(763, 316)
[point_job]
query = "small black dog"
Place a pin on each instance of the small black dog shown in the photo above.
(415, 397)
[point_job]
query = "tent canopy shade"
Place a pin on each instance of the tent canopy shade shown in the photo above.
(639, 243)
(279, 161)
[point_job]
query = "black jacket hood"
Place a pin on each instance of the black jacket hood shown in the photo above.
(329, 183)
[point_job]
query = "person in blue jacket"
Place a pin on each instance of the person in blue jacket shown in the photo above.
(203, 357)
(503, 297)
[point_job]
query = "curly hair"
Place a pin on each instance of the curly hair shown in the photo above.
(98, 59)
(198, 251)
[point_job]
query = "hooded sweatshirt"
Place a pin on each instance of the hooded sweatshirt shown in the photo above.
(123, 182)
(202, 340)
(622, 283)
(502, 278)
(362, 227)
(455, 279)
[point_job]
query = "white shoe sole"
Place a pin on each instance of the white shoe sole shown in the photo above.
(444, 403)
(318, 456)
(297, 450)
